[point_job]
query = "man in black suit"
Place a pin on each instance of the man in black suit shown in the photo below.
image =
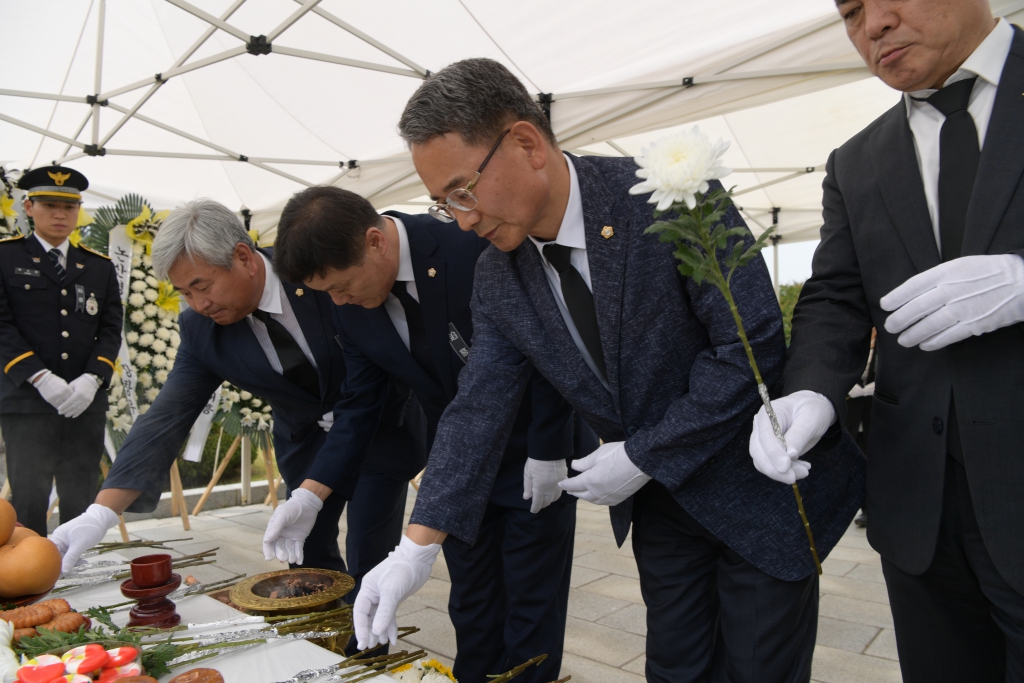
(276, 340)
(403, 284)
(923, 239)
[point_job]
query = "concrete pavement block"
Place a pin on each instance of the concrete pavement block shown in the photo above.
(608, 562)
(581, 576)
(615, 586)
(845, 635)
(601, 643)
(856, 611)
(884, 646)
(584, 670)
(592, 606)
(839, 666)
(852, 588)
(632, 619)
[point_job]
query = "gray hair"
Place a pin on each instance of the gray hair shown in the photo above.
(476, 98)
(202, 230)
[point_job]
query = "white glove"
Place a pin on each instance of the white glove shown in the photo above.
(82, 533)
(290, 525)
(83, 390)
(961, 298)
(385, 587)
(327, 421)
(804, 416)
(540, 482)
(609, 476)
(53, 389)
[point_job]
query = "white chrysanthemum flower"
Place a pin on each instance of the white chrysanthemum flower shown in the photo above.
(163, 333)
(159, 345)
(677, 167)
(147, 261)
(431, 676)
(152, 295)
(152, 281)
(111, 414)
(151, 394)
(245, 395)
(267, 409)
(149, 326)
(136, 261)
(138, 286)
(150, 309)
(122, 423)
(145, 379)
(245, 411)
(175, 338)
(143, 359)
(132, 354)
(161, 376)
(137, 249)
(136, 273)
(136, 300)
(171, 353)
(255, 403)
(137, 317)
(167, 321)
(146, 340)
(116, 389)
(143, 409)
(234, 396)
(132, 337)
(159, 361)
(122, 403)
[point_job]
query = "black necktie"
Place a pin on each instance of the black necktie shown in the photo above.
(55, 257)
(579, 301)
(958, 163)
(418, 346)
(296, 367)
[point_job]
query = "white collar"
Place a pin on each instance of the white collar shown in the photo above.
(63, 246)
(571, 233)
(271, 299)
(986, 62)
(405, 271)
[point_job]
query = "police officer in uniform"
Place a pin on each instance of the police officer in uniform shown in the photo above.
(60, 331)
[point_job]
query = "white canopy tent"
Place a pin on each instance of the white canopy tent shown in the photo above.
(247, 101)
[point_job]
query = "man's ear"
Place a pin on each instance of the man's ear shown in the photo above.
(376, 241)
(28, 208)
(247, 257)
(532, 143)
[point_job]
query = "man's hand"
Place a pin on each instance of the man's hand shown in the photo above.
(83, 390)
(540, 482)
(290, 525)
(52, 388)
(609, 476)
(82, 533)
(804, 416)
(385, 587)
(327, 421)
(961, 298)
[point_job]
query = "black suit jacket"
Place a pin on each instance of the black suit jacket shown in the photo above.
(45, 324)
(210, 354)
(444, 260)
(877, 234)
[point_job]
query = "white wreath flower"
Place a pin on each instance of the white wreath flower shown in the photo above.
(678, 167)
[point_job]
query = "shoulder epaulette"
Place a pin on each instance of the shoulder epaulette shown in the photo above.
(93, 251)
(15, 237)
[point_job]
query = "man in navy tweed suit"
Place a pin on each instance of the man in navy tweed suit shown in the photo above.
(651, 360)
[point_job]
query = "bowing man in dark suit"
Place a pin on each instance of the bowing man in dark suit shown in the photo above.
(923, 239)
(403, 285)
(277, 341)
(651, 360)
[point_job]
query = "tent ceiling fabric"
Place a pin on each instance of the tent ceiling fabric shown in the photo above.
(780, 80)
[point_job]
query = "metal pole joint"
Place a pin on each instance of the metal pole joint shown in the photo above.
(258, 45)
(242, 157)
(687, 81)
(545, 99)
(95, 150)
(95, 99)
(352, 163)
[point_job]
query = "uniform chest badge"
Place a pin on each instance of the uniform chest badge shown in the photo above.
(92, 307)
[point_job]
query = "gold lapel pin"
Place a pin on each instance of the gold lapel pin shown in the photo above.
(35, 259)
(432, 272)
(80, 265)
(299, 292)
(607, 231)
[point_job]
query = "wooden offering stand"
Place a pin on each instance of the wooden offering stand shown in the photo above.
(151, 583)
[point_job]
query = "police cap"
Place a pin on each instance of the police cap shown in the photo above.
(54, 183)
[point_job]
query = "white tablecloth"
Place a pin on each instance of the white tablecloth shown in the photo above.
(266, 663)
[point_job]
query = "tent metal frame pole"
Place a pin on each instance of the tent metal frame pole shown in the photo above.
(344, 172)
(369, 40)
(67, 149)
(42, 96)
(287, 23)
(41, 131)
(212, 20)
(391, 183)
(69, 157)
(98, 77)
(617, 148)
(178, 62)
(776, 181)
(344, 61)
(823, 23)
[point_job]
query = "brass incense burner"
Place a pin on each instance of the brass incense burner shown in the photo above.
(292, 591)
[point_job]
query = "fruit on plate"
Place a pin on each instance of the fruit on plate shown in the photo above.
(20, 532)
(30, 566)
(8, 519)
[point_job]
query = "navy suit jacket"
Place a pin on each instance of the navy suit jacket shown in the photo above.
(682, 394)
(210, 354)
(444, 259)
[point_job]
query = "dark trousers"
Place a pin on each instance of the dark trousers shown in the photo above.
(42, 447)
(959, 621)
(712, 616)
(510, 591)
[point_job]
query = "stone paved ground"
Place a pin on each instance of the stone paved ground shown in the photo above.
(606, 627)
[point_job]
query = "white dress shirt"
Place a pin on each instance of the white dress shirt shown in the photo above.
(275, 302)
(986, 62)
(405, 274)
(572, 234)
(63, 247)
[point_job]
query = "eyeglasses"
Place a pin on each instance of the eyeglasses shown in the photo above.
(463, 199)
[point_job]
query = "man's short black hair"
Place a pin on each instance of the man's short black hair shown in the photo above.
(322, 229)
